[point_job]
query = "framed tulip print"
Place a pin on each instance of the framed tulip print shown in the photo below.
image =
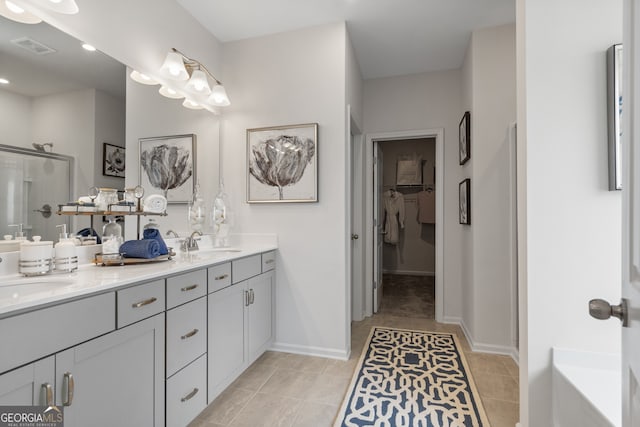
(168, 167)
(282, 164)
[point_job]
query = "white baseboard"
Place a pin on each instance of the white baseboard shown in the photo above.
(410, 273)
(310, 351)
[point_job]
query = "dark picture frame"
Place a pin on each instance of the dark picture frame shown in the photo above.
(464, 201)
(464, 138)
(169, 162)
(614, 112)
(292, 175)
(113, 160)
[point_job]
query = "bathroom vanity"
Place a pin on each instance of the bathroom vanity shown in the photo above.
(139, 345)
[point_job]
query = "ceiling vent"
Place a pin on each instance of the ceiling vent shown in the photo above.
(33, 46)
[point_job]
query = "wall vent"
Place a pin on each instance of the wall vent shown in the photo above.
(33, 46)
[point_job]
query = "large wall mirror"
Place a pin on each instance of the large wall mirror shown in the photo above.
(64, 100)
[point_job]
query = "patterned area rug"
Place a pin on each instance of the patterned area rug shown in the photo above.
(412, 378)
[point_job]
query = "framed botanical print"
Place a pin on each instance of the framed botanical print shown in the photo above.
(282, 164)
(168, 167)
(113, 160)
(464, 201)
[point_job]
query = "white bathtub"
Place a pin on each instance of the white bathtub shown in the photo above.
(586, 389)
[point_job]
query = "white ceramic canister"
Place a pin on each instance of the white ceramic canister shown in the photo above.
(35, 257)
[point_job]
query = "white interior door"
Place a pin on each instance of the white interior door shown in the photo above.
(631, 216)
(378, 218)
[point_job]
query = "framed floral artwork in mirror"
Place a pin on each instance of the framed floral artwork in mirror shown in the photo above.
(168, 167)
(282, 164)
(113, 160)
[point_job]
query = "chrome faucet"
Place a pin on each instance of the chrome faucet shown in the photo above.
(170, 232)
(190, 243)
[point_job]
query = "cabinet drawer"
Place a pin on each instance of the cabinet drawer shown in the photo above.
(219, 276)
(247, 267)
(187, 393)
(33, 335)
(139, 302)
(186, 334)
(186, 287)
(268, 261)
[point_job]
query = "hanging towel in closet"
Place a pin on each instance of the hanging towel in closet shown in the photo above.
(394, 215)
(427, 207)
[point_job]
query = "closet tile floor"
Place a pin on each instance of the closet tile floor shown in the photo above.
(282, 389)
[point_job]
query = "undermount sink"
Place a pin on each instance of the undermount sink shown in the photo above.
(28, 286)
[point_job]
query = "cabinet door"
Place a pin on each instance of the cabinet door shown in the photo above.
(260, 312)
(114, 380)
(226, 337)
(30, 385)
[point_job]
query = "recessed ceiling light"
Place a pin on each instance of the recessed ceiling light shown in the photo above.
(87, 46)
(4, 81)
(55, 1)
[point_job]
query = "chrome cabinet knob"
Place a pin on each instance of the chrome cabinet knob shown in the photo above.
(602, 310)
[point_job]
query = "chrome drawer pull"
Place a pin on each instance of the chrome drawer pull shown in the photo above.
(190, 395)
(189, 335)
(224, 276)
(188, 288)
(269, 261)
(68, 384)
(145, 302)
(48, 394)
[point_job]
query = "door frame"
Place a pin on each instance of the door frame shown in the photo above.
(438, 134)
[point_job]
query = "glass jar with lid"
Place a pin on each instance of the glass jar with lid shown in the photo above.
(106, 197)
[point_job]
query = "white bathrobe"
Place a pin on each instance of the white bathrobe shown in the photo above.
(394, 215)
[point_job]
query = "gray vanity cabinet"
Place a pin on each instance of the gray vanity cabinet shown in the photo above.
(114, 380)
(32, 384)
(240, 320)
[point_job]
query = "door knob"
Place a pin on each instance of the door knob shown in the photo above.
(354, 237)
(602, 310)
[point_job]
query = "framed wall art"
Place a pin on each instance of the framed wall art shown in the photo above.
(282, 164)
(614, 112)
(464, 197)
(168, 167)
(464, 138)
(113, 160)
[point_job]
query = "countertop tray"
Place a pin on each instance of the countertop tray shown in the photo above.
(107, 260)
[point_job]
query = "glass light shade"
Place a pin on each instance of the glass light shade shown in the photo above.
(198, 83)
(173, 67)
(192, 104)
(170, 93)
(15, 12)
(142, 78)
(68, 7)
(219, 97)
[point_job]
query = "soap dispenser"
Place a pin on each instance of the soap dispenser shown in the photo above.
(19, 234)
(66, 258)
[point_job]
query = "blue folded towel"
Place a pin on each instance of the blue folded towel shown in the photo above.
(145, 248)
(154, 233)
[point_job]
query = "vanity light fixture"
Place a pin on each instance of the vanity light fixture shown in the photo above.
(170, 93)
(25, 11)
(142, 78)
(184, 77)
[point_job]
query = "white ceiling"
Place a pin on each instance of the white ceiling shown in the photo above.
(69, 68)
(390, 37)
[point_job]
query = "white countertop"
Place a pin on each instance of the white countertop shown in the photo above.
(19, 294)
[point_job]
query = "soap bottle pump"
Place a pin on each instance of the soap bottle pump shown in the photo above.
(66, 258)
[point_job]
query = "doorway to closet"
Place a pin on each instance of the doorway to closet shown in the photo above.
(418, 254)
(407, 211)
